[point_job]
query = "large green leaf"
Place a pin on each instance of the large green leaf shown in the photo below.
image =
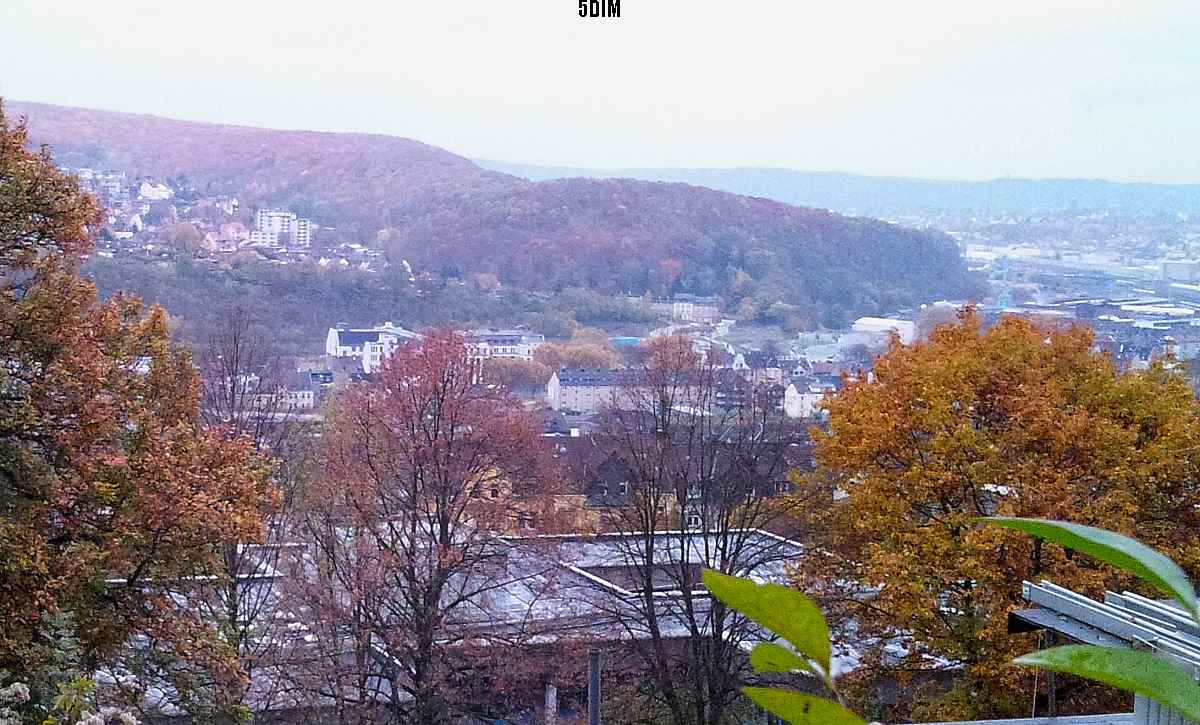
(1131, 670)
(770, 657)
(801, 709)
(1129, 554)
(784, 611)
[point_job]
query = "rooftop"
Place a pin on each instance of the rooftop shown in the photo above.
(1115, 719)
(594, 377)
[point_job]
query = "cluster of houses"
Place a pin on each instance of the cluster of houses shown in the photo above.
(794, 386)
(139, 214)
(792, 381)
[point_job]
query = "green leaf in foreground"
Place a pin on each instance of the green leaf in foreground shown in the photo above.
(801, 709)
(784, 611)
(1129, 554)
(770, 657)
(1131, 670)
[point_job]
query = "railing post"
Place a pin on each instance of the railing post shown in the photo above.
(551, 704)
(1052, 681)
(594, 687)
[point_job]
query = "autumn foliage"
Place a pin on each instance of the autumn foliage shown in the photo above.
(421, 470)
(575, 354)
(1022, 419)
(110, 487)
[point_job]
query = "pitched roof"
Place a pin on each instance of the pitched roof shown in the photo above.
(761, 359)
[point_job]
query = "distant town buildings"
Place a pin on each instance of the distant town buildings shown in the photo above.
(1180, 270)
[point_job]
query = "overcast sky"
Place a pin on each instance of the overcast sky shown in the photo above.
(957, 89)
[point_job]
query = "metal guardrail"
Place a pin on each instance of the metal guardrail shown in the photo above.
(1123, 619)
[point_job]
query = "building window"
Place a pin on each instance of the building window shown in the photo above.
(694, 521)
(623, 487)
(525, 520)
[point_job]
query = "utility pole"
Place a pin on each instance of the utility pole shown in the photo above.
(594, 687)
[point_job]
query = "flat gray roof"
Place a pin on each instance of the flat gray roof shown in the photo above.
(1125, 718)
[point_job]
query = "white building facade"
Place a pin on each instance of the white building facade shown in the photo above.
(271, 225)
(370, 345)
(513, 344)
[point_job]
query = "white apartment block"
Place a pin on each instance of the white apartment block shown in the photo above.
(271, 224)
(589, 390)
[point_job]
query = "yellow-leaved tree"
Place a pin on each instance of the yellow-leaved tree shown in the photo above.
(1021, 419)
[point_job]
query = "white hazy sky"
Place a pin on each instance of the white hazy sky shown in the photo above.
(954, 89)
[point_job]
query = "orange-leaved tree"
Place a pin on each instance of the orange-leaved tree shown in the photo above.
(110, 487)
(1022, 419)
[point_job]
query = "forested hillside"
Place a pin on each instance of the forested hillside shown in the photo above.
(620, 235)
(446, 215)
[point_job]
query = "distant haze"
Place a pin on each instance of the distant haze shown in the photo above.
(945, 90)
(889, 196)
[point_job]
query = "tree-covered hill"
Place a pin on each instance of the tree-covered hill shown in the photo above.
(620, 235)
(444, 213)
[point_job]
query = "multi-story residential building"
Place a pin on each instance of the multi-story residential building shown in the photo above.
(803, 397)
(692, 308)
(688, 308)
(488, 343)
(370, 345)
(271, 225)
(587, 390)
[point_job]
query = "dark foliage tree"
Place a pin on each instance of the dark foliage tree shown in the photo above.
(702, 482)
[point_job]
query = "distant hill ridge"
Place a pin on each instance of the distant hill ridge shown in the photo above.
(442, 211)
(889, 195)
